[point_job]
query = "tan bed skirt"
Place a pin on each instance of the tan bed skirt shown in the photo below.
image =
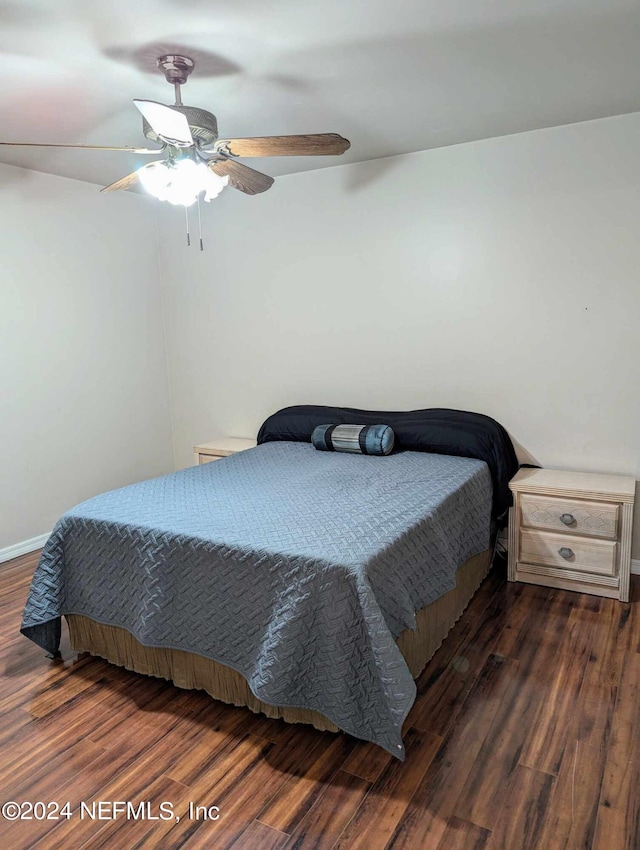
(188, 670)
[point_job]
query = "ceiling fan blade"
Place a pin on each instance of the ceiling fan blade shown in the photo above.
(168, 123)
(123, 183)
(128, 149)
(320, 144)
(241, 177)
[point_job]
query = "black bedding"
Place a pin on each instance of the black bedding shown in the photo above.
(436, 430)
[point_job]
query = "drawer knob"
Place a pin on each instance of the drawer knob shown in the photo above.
(565, 552)
(567, 519)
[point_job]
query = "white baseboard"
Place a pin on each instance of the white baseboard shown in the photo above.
(27, 546)
(635, 566)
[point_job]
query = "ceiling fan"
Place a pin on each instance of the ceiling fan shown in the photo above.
(195, 160)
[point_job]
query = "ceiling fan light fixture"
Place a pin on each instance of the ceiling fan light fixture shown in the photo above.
(181, 182)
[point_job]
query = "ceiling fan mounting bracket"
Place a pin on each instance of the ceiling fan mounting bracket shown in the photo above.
(176, 68)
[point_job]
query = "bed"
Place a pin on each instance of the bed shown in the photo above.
(308, 585)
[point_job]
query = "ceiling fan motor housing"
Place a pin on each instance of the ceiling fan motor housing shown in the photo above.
(203, 125)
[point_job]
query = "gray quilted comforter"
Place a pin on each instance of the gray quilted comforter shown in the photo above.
(295, 567)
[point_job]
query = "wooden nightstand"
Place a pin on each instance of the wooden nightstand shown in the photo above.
(216, 449)
(572, 530)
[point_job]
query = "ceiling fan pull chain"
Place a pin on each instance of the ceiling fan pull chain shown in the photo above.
(199, 225)
(186, 218)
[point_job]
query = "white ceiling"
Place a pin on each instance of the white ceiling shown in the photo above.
(392, 77)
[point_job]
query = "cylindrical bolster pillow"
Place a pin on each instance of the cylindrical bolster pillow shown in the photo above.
(363, 439)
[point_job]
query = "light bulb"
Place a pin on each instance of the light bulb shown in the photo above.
(154, 177)
(181, 182)
(213, 183)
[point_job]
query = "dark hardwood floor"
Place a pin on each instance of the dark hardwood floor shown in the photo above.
(525, 734)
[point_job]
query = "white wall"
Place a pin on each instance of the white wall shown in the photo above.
(500, 276)
(83, 386)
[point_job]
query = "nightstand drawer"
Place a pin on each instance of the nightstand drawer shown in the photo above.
(564, 552)
(208, 458)
(596, 519)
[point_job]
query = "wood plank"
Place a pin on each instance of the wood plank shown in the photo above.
(13, 722)
(328, 817)
(56, 682)
(523, 811)
(297, 794)
(190, 765)
(61, 768)
(591, 720)
(23, 566)
(559, 690)
(633, 613)
(462, 835)
(535, 613)
(572, 816)
(515, 721)
(134, 830)
(259, 836)
(385, 804)
(240, 784)
(39, 742)
(128, 769)
(367, 761)
(133, 760)
(433, 803)
(619, 812)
